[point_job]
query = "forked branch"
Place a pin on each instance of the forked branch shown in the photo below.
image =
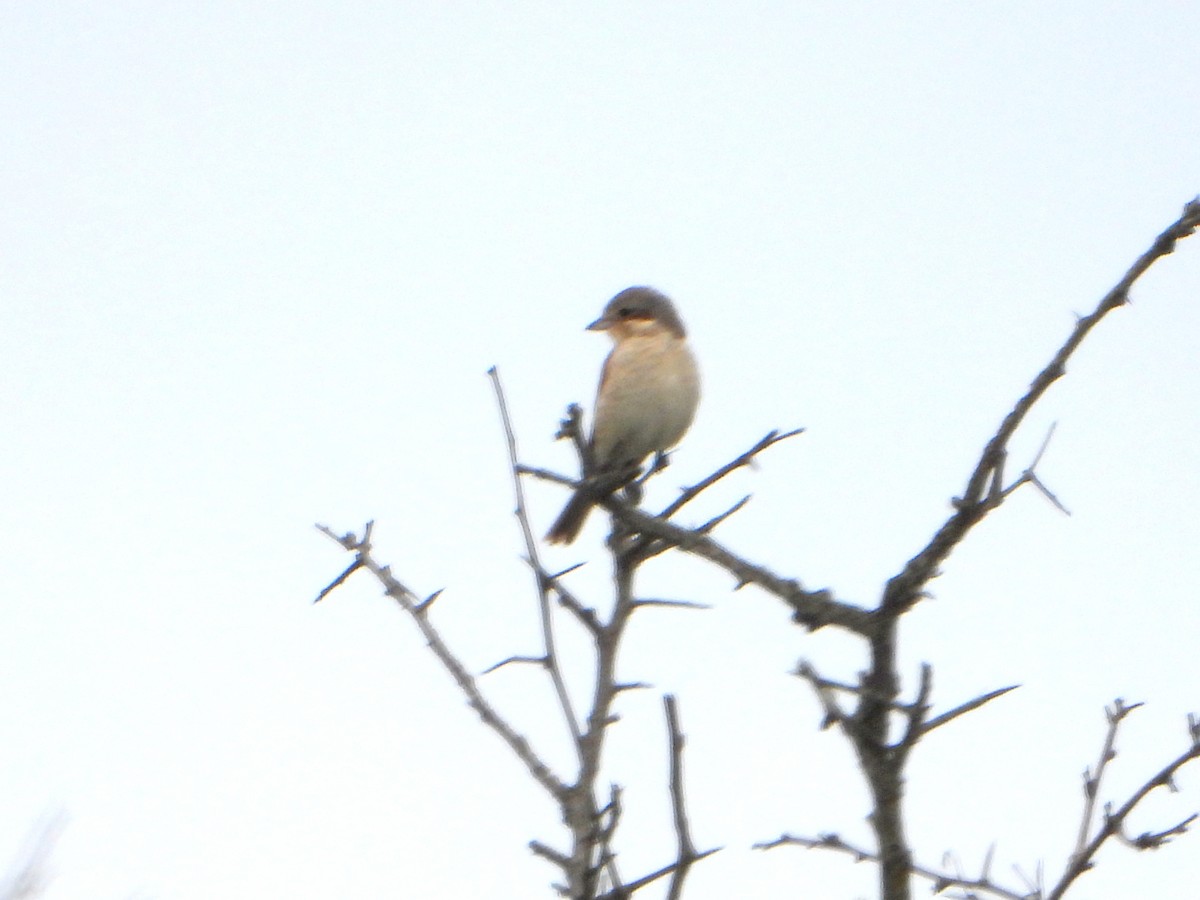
(977, 501)
(1113, 823)
(412, 604)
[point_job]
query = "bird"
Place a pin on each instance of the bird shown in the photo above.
(648, 394)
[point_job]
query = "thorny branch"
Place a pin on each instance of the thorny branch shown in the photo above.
(813, 609)
(941, 880)
(746, 459)
(964, 708)
(1092, 779)
(976, 501)
(542, 578)
(1113, 824)
(868, 725)
(592, 827)
(1083, 857)
(591, 860)
(686, 852)
(639, 535)
(411, 604)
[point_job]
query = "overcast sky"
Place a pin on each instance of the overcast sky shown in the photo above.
(256, 260)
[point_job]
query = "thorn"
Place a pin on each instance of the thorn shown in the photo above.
(423, 606)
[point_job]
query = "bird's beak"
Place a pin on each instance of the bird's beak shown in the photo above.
(601, 324)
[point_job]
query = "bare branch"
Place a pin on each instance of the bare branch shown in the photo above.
(1093, 778)
(549, 853)
(647, 880)
(824, 688)
(424, 605)
(1036, 884)
(814, 609)
(339, 581)
(745, 459)
(1114, 822)
(905, 589)
(655, 547)
(409, 602)
(709, 526)
(1152, 840)
(592, 829)
(543, 582)
(970, 705)
(611, 815)
(572, 428)
(514, 660)
(585, 614)
(686, 853)
(1037, 457)
(942, 881)
(867, 726)
(547, 475)
(638, 535)
(621, 686)
(1030, 476)
(915, 712)
(1033, 479)
(671, 604)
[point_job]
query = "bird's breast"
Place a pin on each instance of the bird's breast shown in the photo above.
(647, 398)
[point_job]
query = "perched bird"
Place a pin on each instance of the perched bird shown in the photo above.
(649, 388)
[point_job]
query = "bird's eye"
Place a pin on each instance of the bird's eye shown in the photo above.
(624, 312)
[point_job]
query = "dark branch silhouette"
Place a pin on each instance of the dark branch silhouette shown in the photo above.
(589, 866)
(881, 728)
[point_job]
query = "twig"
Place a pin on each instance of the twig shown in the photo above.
(545, 852)
(612, 818)
(1093, 778)
(409, 601)
(1030, 476)
(622, 686)
(771, 439)
(716, 520)
(341, 579)
(543, 582)
(424, 606)
(677, 604)
(962, 709)
(647, 880)
(585, 614)
(654, 547)
(823, 688)
(546, 475)
(915, 712)
(882, 767)
(686, 853)
(941, 880)
(814, 609)
(1152, 840)
(572, 427)
(1114, 822)
(904, 589)
(804, 669)
(514, 660)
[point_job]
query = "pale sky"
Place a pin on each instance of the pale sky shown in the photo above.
(257, 259)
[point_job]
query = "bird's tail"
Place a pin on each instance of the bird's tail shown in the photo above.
(570, 521)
